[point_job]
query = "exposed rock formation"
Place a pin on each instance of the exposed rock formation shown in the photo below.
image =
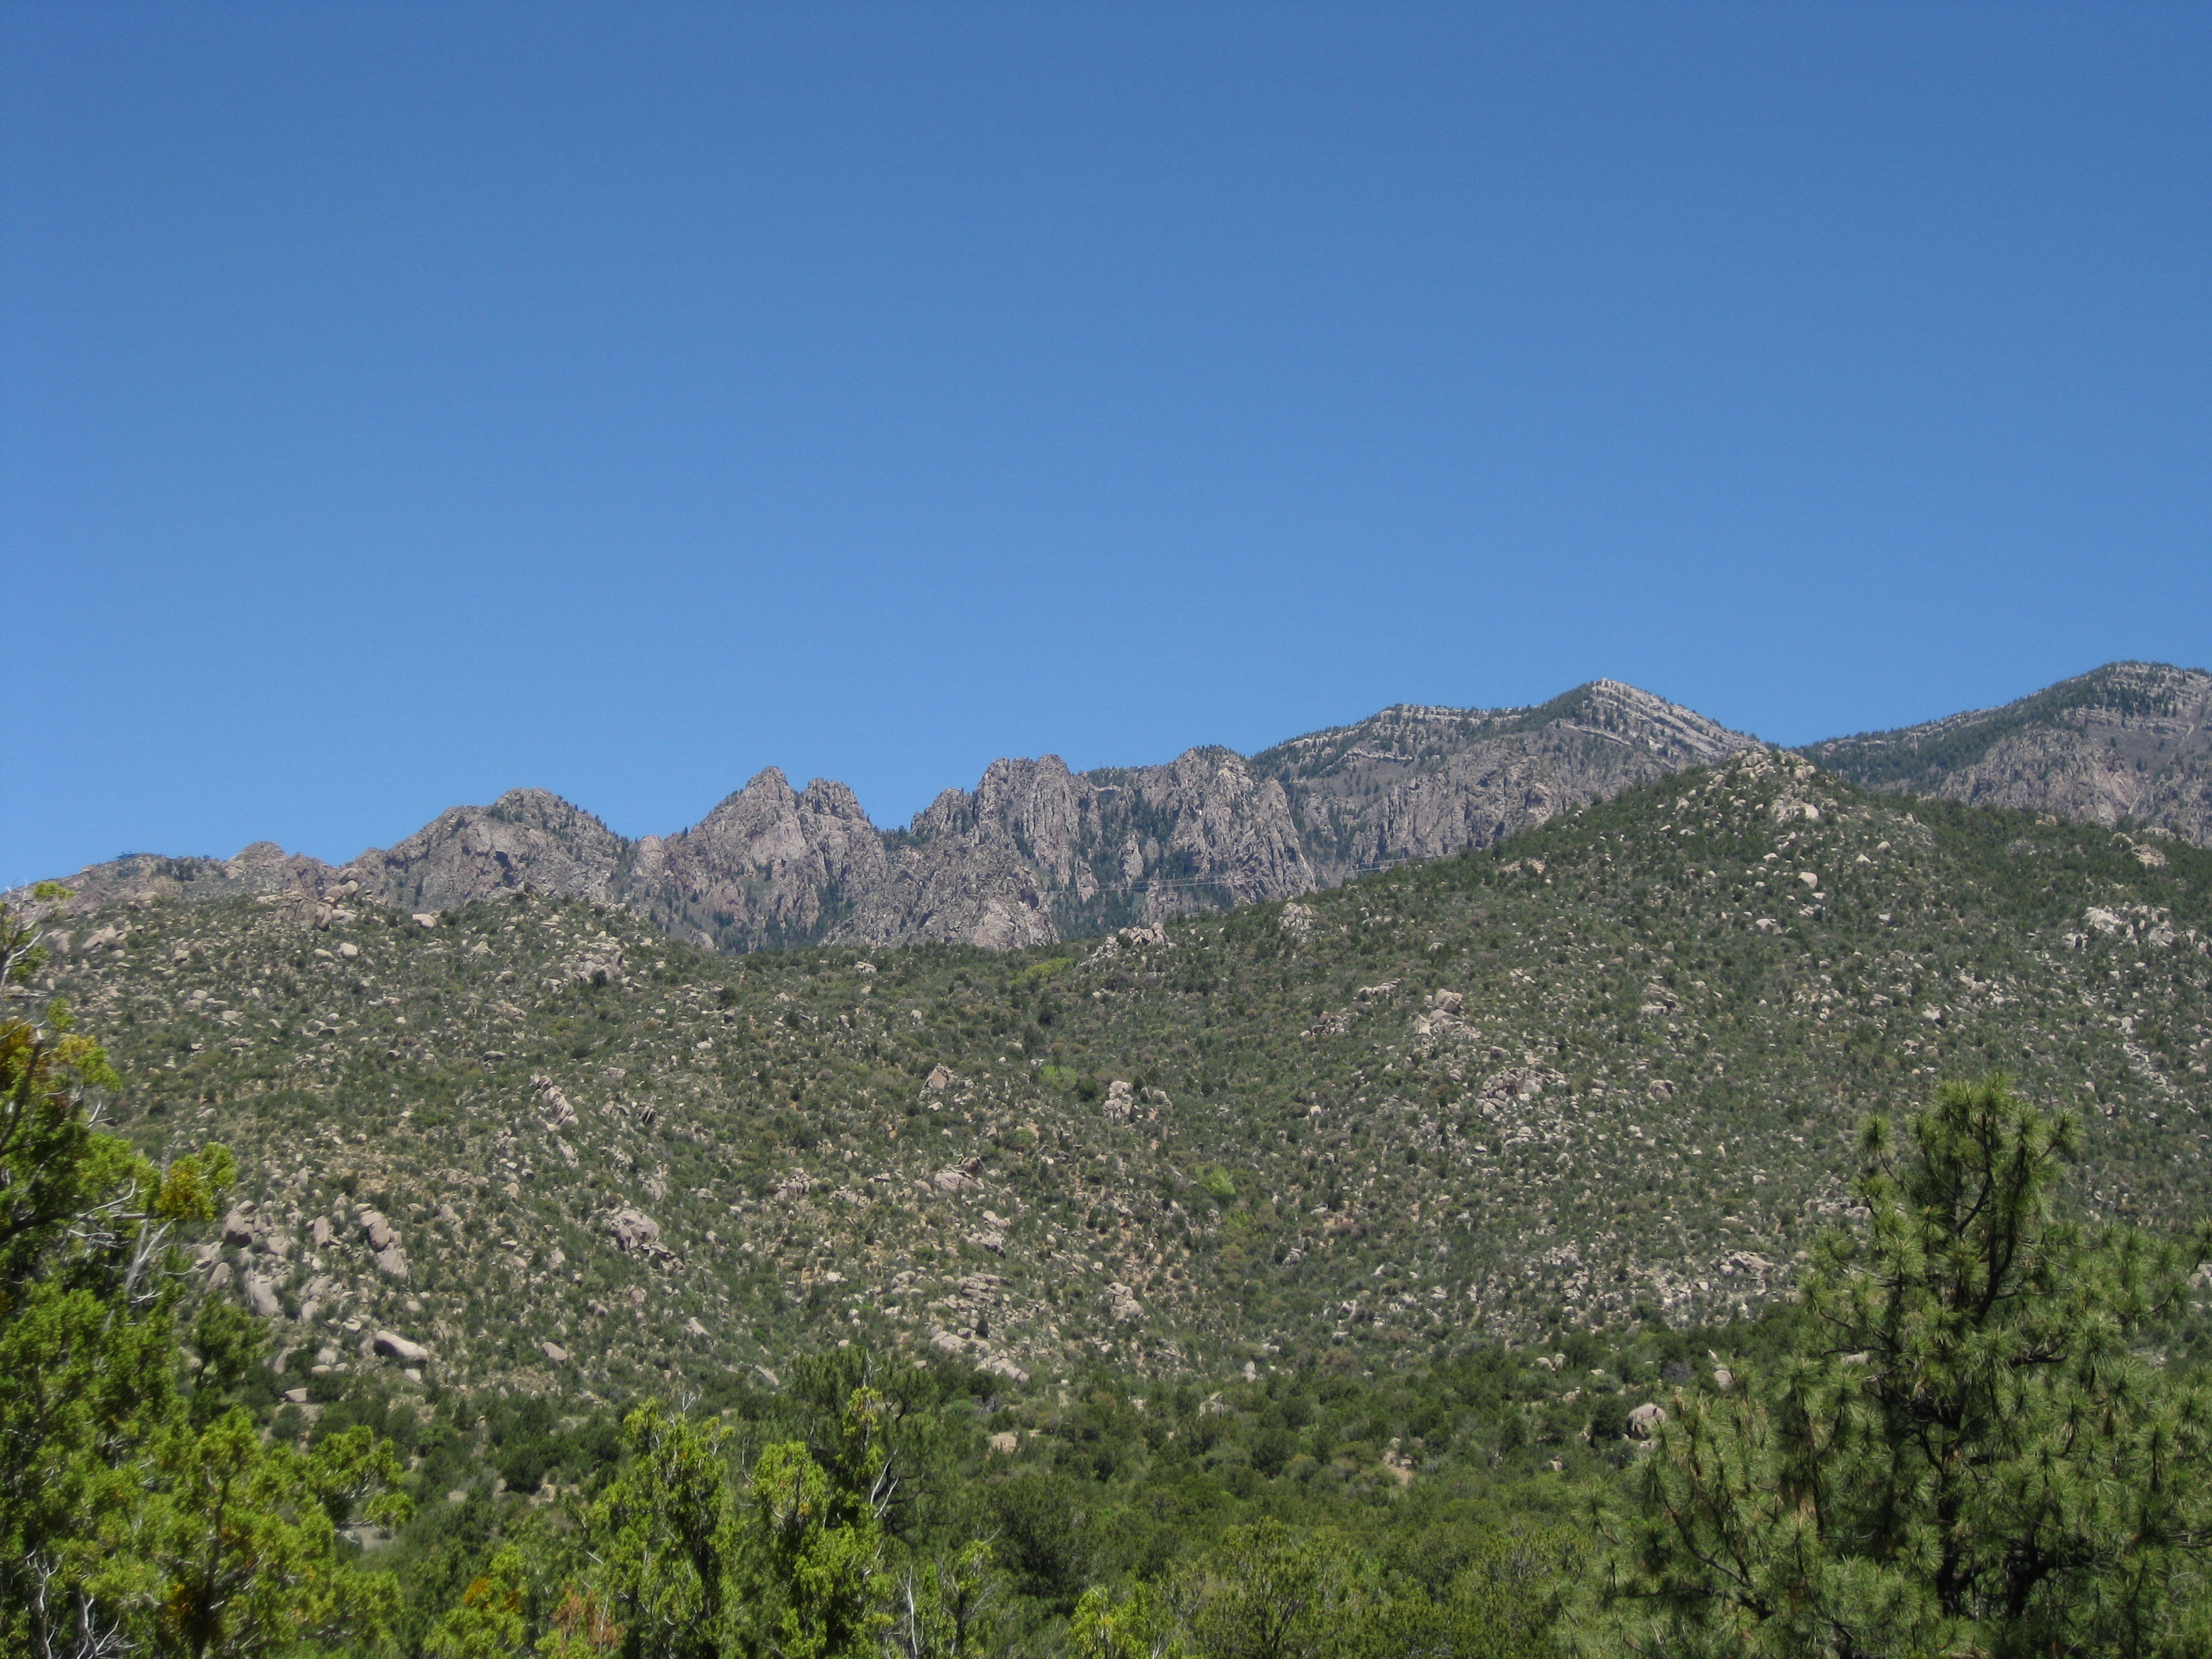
(1421, 783)
(2129, 741)
(526, 838)
(766, 867)
(1035, 852)
(263, 868)
(393, 1346)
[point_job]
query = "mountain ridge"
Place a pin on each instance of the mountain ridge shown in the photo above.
(1609, 1073)
(1037, 852)
(2130, 741)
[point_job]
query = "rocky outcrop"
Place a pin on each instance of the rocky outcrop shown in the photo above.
(1035, 853)
(393, 1345)
(526, 838)
(1422, 783)
(766, 867)
(2129, 742)
(265, 869)
(634, 1230)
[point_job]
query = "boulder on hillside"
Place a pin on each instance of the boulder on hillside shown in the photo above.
(261, 1296)
(393, 1346)
(959, 1177)
(634, 1230)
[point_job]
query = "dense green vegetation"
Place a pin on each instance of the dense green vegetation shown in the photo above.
(569, 1285)
(1609, 1072)
(141, 1508)
(1974, 1443)
(1982, 1429)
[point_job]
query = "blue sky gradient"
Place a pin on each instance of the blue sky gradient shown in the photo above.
(400, 403)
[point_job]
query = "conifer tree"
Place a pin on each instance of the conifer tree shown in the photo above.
(134, 1516)
(1974, 1449)
(689, 1568)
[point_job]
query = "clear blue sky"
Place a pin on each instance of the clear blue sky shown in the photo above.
(399, 403)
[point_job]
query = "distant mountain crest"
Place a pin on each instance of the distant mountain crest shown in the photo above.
(1035, 852)
(2129, 741)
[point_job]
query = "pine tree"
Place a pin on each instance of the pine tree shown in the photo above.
(136, 1516)
(1974, 1448)
(689, 1567)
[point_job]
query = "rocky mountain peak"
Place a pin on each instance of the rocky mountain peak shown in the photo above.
(2128, 742)
(526, 838)
(1037, 851)
(1634, 715)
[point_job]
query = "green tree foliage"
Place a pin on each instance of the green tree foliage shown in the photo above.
(1270, 1591)
(1973, 1450)
(665, 1530)
(1139, 1623)
(237, 1544)
(1267, 1594)
(949, 1609)
(488, 1623)
(823, 1551)
(136, 1515)
(793, 1568)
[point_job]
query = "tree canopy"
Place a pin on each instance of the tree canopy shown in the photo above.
(1974, 1449)
(140, 1509)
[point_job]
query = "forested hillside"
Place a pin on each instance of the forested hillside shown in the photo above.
(1303, 1270)
(1605, 1073)
(2130, 741)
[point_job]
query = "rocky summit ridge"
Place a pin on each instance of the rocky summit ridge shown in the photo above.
(1038, 853)
(1034, 854)
(1611, 1073)
(2129, 742)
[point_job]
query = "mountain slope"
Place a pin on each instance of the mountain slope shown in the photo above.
(1421, 783)
(1035, 852)
(2130, 741)
(1610, 1071)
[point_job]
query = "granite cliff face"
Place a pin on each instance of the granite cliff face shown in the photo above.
(527, 837)
(1035, 852)
(768, 867)
(2130, 741)
(1421, 783)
